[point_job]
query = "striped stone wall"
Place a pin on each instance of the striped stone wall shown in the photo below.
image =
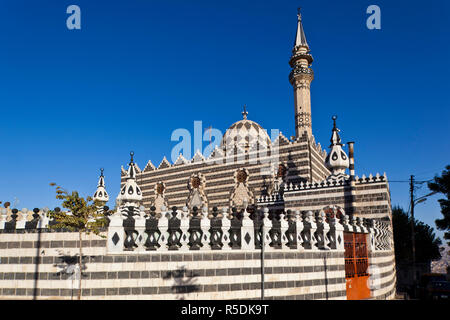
(383, 274)
(33, 265)
(369, 200)
(208, 275)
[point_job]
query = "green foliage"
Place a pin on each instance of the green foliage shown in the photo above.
(427, 245)
(83, 217)
(442, 185)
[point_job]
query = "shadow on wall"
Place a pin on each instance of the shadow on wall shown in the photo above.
(69, 269)
(183, 282)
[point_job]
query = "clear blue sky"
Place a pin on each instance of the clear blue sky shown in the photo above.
(73, 101)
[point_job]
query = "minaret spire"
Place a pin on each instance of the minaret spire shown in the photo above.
(101, 194)
(300, 78)
(337, 160)
(300, 38)
(130, 193)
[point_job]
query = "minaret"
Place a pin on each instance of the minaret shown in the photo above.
(300, 78)
(101, 194)
(336, 161)
(130, 194)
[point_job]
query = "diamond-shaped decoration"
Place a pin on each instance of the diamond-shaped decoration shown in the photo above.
(339, 239)
(247, 238)
(115, 238)
(184, 237)
(204, 237)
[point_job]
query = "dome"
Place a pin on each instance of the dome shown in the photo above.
(245, 133)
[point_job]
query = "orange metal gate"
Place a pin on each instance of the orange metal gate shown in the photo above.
(356, 265)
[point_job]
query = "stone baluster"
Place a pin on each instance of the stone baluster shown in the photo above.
(275, 232)
(163, 226)
(284, 225)
(345, 221)
(195, 232)
(139, 225)
(333, 232)
(131, 235)
(184, 227)
(257, 227)
(313, 230)
(43, 220)
(152, 231)
(205, 224)
(247, 232)
(235, 230)
(174, 230)
(11, 225)
(32, 224)
(369, 227)
(322, 230)
(267, 226)
(215, 240)
(291, 232)
(299, 229)
(360, 225)
(309, 227)
(353, 225)
(23, 219)
(226, 227)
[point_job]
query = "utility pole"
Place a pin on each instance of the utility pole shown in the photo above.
(413, 241)
(262, 258)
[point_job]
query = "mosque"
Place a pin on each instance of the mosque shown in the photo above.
(277, 218)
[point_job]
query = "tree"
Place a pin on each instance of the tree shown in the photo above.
(82, 217)
(427, 245)
(442, 185)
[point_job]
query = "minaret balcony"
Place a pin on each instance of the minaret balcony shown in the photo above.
(300, 55)
(300, 71)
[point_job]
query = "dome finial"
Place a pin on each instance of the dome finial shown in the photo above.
(101, 172)
(334, 118)
(131, 154)
(244, 113)
(299, 15)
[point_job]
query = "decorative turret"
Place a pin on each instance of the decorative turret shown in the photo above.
(130, 194)
(101, 194)
(337, 160)
(300, 78)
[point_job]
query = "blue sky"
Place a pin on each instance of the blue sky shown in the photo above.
(73, 101)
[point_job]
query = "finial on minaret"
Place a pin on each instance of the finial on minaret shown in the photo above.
(337, 160)
(245, 113)
(300, 38)
(131, 154)
(101, 194)
(335, 138)
(130, 192)
(334, 121)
